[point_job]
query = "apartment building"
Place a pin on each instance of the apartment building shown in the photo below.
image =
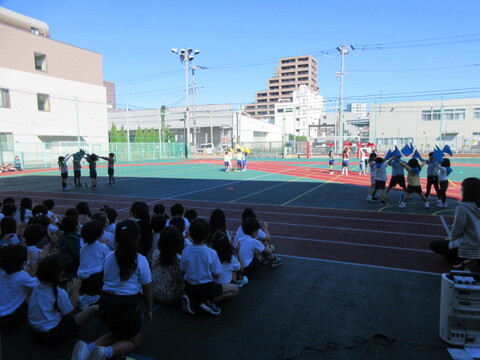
(50, 92)
(359, 109)
(289, 75)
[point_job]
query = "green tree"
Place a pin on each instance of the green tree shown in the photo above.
(113, 134)
(139, 135)
(122, 135)
(162, 124)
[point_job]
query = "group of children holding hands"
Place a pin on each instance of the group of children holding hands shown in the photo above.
(240, 155)
(437, 176)
(57, 274)
(92, 166)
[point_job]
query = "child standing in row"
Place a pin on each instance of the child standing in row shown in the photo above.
(239, 160)
(227, 160)
(63, 166)
(413, 181)
(345, 160)
(443, 172)
(331, 160)
(371, 165)
(77, 171)
(111, 170)
(92, 165)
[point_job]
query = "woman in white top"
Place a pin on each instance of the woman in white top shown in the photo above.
(126, 276)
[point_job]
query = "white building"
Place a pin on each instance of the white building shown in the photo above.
(453, 122)
(218, 124)
(302, 114)
(359, 109)
(51, 93)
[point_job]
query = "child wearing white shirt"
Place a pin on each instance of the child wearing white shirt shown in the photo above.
(16, 285)
(202, 267)
(226, 255)
(126, 276)
(51, 311)
(253, 252)
(92, 255)
(227, 160)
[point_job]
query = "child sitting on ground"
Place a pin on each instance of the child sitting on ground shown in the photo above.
(92, 255)
(69, 244)
(16, 285)
(179, 223)
(167, 278)
(158, 224)
(226, 255)
(51, 311)
(202, 267)
(8, 231)
(252, 251)
(107, 237)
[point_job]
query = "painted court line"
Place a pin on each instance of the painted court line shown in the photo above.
(308, 191)
(354, 244)
(362, 265)
(445, 226)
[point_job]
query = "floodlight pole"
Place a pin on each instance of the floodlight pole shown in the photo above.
(344, 50)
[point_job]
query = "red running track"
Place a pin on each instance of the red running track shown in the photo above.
(387, 240)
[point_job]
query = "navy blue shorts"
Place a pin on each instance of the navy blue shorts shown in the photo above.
(331, 162)
(111, 171)
(93, 174)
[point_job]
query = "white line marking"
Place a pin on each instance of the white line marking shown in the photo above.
(445, 226)
(362, 265)
(353, 244)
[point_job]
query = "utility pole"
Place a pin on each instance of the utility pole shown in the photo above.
(440, 136)
(78, 121)
(194, 91)
(344, 50)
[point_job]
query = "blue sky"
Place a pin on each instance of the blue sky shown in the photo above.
(241, 41)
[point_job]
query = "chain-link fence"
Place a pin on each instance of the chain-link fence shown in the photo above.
(45, 155)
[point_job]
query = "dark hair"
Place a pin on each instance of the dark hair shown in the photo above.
(222, 246)
(158, 223)
(40, 219)
(177, 210)
(430, 154)
(378, 160)
(68, 224)
(93, 157)
(49, 271)
(8, 225)
(413, 163)
(49, 203)
(71, 212)
(217, 220)
(100, 216)
(372, 156)
(60, 159)
(250, 225)
(199, 230)
(471, 190)
(178, 222)
(111, 155)
(39, 209)
(170, 244)
(445, 163)
(139, 210)
(190, 215)
(9, 209)
(12, 258)
(91, 231)
(159, 209)
(25, 203)
(127, 234)
(8, 200)
(83, 208)
(34, 233)
(247, 213)
(111, 214)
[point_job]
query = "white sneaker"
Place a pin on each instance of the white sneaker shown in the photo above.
(80, 351)
(210, 307)
(186, 304)
(402, 205)
(427, 205)
(369, 197)
(85, 301)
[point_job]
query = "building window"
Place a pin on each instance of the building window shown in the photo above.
(274, 87)
(279, 110)
(459, 114)
(303, 78)
(303, 66)
(261, 106)
(6, 141)
(43, 101)
(303, 59)
(262, 101)
(476, 113)
(40, 62)
(288, 67)
(288, 74)
(5, 98)
(287, 92)
(34, 30)
(261, 94)
(289, 61)
(305, 72)
(262, 113)
(274, 81)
